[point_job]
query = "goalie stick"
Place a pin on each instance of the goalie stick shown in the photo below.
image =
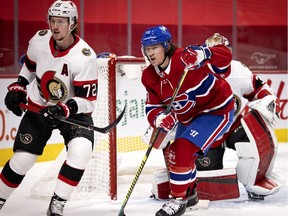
(152, 142)
(79, 123)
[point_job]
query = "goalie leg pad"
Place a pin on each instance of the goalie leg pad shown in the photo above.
(211, 185)
(161, 185)
(237, 135)
(268, 185)
(217, 184)
(256, 158)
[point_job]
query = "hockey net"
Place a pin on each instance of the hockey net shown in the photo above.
(117, 154)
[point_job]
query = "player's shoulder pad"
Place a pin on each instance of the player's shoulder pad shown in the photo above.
(238, 63)
(84, 48)
(241, 68)
(43, 32)
(39, 36)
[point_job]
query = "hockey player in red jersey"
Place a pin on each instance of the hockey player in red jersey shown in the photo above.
(251, 135)
(202, 109)
(60, 69)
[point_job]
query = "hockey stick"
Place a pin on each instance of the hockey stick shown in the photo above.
(152, 142)
(79, 123)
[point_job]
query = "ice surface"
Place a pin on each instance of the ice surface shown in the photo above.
(21, 204)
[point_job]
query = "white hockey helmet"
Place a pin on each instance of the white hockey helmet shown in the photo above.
(217, 39)
(64, 9)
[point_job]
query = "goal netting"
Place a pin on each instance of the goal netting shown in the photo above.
(117, 154)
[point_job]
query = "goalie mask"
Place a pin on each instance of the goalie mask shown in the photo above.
(64, 9)
(217, 39)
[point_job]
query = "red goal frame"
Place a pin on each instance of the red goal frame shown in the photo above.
(112, 67)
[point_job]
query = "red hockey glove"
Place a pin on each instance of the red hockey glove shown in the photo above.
(16, 94)
(166, 122)
(189, 56)
(195, 56)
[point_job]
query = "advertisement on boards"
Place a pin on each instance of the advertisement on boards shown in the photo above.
(133, 95)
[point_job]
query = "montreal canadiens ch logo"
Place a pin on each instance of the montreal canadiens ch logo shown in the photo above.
(183, 103)
(52, 88)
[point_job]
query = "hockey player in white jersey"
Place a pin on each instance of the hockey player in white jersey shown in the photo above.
(251, 135)
(60, 69)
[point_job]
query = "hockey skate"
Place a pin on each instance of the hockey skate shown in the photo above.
(175, 207)
(56, 206)
(255, 197)
(192, 201)
(2, 201)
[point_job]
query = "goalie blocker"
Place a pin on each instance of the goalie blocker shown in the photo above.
(254, 167)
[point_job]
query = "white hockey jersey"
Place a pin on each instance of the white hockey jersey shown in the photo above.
(241, 82)
(57, 76)
(245, 85)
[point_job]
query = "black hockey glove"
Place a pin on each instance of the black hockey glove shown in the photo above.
(16, 94)
(51, 114)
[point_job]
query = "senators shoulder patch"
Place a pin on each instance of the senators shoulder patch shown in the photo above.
(86, 52)
(237, 104)
(42, 32)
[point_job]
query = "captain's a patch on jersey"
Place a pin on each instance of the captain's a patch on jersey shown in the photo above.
(86, 51)
(42, 32)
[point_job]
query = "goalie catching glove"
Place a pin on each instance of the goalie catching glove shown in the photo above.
(194, 57)
(268, 107)
(17, 94)
(51, 114)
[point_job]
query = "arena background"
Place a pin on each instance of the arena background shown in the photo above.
(257, 31)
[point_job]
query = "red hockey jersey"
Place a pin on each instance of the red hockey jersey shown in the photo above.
(201, 92)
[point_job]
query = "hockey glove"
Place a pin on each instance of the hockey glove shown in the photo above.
(195, 56)
(268, 107)
(51, 114)
(166, 122)
(17, 94)
(162, 140)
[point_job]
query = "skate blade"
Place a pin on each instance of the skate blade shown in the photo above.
(202, 204)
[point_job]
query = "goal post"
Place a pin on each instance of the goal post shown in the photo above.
(118, 153)
(114, 68)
